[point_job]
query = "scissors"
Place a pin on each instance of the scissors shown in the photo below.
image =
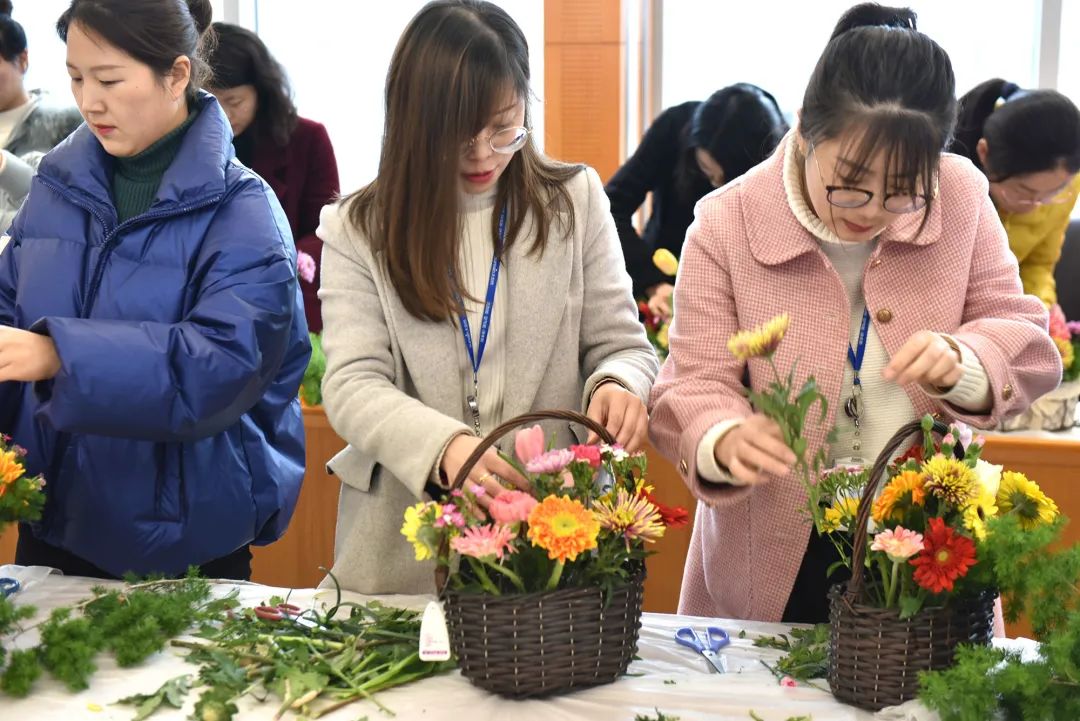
(284, 611)
(9, 587)
(707, 645)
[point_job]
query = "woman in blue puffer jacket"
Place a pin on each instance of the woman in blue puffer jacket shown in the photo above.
(152, 337)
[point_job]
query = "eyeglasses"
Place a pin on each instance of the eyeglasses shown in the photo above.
(1059, 197)
(843, 196)
(505, 142)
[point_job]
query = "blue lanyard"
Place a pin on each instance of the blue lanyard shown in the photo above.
(855, 356)
(477, 356)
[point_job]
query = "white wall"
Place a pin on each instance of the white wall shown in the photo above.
(337, 53)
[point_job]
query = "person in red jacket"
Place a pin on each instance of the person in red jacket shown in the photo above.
(292, 154)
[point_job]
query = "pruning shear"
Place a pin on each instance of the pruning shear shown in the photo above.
(9, 586)
(706, 644)
(285, 611)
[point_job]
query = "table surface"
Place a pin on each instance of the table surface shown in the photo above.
(694, 695)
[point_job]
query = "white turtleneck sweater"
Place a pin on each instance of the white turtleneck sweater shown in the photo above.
(885, 405)
(477, 249)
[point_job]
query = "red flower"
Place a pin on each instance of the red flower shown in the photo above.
(946, 556)
(670, 516)
(915, 453)
(589, 454)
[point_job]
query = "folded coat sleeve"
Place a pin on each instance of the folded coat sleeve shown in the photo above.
(195, 377)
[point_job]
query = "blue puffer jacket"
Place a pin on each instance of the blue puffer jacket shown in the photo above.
(172, 434)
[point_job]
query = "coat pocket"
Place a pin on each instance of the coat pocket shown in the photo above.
(352, 468)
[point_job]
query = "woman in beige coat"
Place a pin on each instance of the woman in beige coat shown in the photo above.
(464, 207)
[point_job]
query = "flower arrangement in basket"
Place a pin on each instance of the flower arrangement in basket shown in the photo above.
(656, 327)
(1056, 410)
(546, 592)
(912, 597)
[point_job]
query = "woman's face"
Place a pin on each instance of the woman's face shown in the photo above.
(709, 167)
(240, 104)
(480, 166)
(12, 72)
(828, 169)
(1024, 193)
(125, 103)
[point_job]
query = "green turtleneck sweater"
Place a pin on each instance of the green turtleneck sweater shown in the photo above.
(136, 179)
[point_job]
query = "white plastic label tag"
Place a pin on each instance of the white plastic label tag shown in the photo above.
(434, 637)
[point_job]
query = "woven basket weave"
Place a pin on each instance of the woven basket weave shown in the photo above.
(874, 656)
(542, 644)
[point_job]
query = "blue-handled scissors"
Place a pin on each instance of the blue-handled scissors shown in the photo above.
(9, 586)
(707, 645)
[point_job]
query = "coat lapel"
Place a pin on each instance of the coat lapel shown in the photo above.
(538, 286)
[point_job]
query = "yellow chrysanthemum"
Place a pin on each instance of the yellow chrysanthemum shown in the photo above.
(666, 261)
(562, 527)
(951, 480)
(414, 526)
(905, 490)
(10, 468)
(762, 341)
(1068, 355)
(981, 509)
(841, 514)
(1024, 498)
(631, 517)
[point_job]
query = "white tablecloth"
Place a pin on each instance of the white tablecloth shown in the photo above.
(695, 695)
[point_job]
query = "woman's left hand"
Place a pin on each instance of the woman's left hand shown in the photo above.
(926, 358)
(26, 356)
(622, 413)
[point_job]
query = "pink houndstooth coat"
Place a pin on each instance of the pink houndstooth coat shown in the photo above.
(746, 259)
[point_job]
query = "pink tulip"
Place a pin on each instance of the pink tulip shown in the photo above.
(529, 443)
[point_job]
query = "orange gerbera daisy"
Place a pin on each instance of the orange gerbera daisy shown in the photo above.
(906, 489)
(10, 468)
(562, 527)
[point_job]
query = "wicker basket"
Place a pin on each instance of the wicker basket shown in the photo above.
(874, 656)
(1055, 411)
(541, 644)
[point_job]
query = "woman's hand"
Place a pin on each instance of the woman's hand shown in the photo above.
(26, 356)
(753, 449)
(660, 300)
(928, 359)
(484, 478)
(622, 413)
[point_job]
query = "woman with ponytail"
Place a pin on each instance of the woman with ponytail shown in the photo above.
(152, 338)
(1027, 142)
(869, 238)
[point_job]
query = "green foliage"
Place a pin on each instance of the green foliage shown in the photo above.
(172, 693)
(21, 672)
(807, 653)
(1044, 585)
(68, 647)
(311, 385)
(660, 716)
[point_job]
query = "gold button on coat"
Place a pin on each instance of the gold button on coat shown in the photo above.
(884, 315)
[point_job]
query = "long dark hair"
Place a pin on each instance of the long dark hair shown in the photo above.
(739, 126)
(449, 75)
(12, 36)
(239, 57)
(878, 74)
(1033, 131)
(154, 33)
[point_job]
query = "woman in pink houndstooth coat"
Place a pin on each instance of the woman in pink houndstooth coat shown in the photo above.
(858, 226)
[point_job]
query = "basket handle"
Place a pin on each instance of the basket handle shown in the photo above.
(877, 474)
(442, 573)
(498, 433)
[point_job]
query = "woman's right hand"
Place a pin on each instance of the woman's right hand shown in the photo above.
(660, 300)
(753, 449)
(483, 474)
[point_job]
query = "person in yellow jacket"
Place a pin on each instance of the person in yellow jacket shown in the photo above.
(1028, 144)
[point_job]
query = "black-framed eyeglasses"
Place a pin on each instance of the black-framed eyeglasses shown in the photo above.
(844, 197)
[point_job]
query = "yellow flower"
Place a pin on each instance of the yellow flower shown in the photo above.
(981, 509)
(10, 468)
(563, 527)
(1068, 355)
(666, 261)
(662, 336)
(630, 516)
(761, 341)
(905, 490)
(841, 514)
(1023, 497)
(414, 528)
(951, 480)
